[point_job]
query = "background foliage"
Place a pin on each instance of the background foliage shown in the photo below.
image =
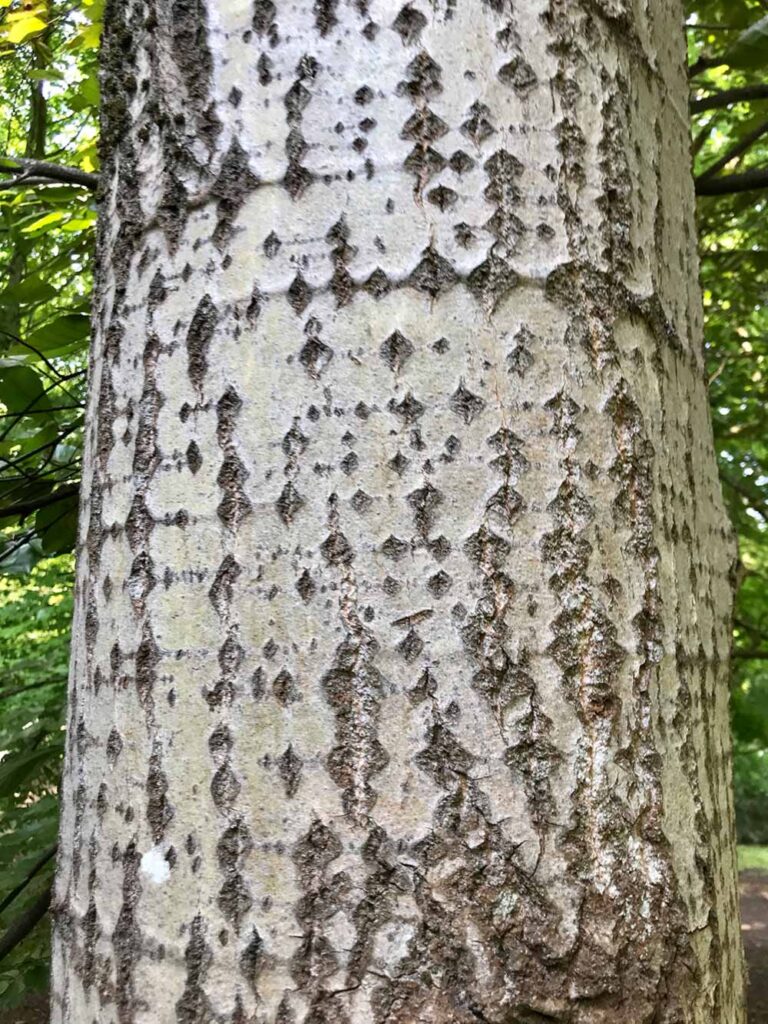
(48, 173)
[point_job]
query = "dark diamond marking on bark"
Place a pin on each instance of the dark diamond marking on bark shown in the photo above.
(364, 95)
(410, 409)
(399, 463)
(231, 188)
(299, 294)
(425, 502)
(442, 197)
(235, 505)
(564, 412)
(519, 74)
(289, 504)
(221, 591)
(225, 788)
(411, 646)
(423, 78)
(272, 245)
(444, 757)
(424, 127)
(147, 660)
(336, 549)
(439, 548)
(486, 548)
(285, 689)
(439, 584)
(506, 503)
(159, 811)
(294, 443)
(306, 586)
(220, 742)
(361, 501)
(478, 126)
(141, 581)
(425, 688)
(391, 586)
(349, 464)
(466, 404)
(396, 351)
(425, 162)
(289, 764)
(394, 548)
(194, 458)
(315, 357)
(114, 746)
(520, 360)
(492, 281)
(194, 1005)
(253, 960)
(325, 15)
(432, 274)
(232, 849)
(461, 162)
(353, 689)
(409, 24)
(378, 284)
(264, 18)
(199, 337)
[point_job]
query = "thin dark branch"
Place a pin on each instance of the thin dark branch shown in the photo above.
(750, 655)
(36, 869)
(737, 149)
(726, 97)
(23, 508)
(730, 184)
(704, 64)
(48, 171)
(691, 26)
(25, 923)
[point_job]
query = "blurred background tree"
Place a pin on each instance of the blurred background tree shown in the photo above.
(49, 98)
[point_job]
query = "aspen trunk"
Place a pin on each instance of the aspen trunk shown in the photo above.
(399, 686)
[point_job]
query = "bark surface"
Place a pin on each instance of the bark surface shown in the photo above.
(399, 687)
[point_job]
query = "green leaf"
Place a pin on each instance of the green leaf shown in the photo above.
(16, 769)
(44, 222)
(750, 49)
(56, 525)
(21, 389)
(61, 333)
(21, 558)
(21, 26)
(31, 289)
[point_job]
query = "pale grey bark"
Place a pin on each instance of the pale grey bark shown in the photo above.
(399, 688)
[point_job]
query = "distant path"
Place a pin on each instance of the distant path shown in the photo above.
(754, 914)
(754, 928)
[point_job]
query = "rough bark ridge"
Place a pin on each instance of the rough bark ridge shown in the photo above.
(399, 684)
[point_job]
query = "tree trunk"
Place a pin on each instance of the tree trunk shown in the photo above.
(399, 687)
